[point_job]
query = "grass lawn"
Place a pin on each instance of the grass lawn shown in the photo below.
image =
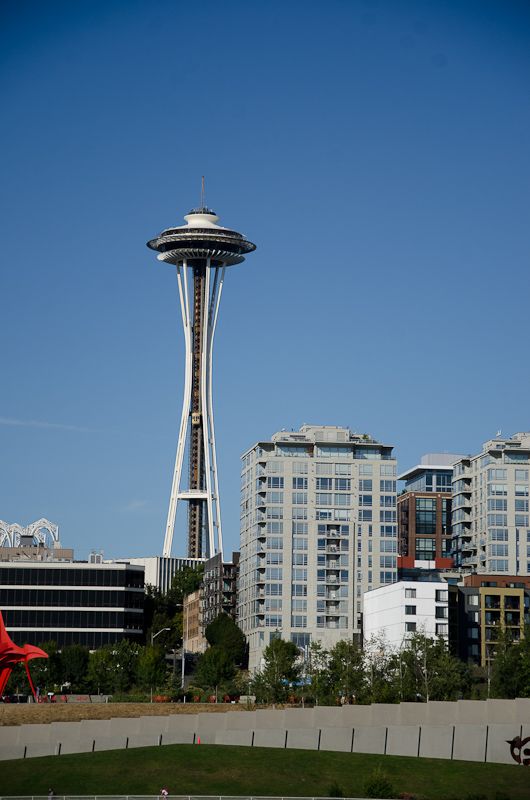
(216, 770)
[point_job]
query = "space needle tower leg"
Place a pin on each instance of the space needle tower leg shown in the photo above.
(201, 251)
(182, 278)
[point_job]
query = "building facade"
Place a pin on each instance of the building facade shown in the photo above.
(318, 529)
(485, 609)
(160, 571)
(396, 612)
(72, 602)
(193, 640)
(424, 512)
(490, 517)
(219, 588)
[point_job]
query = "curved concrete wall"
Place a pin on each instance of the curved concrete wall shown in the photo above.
(465, 730)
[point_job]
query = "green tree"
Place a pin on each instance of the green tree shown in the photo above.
(74, 665)
(346, 670)
(151, 668)
(100, 672)
(46, 672)
(124, 658)
(430, 672)
(279, 672)
(214, 668)
(164, 609)
(224, 633)
(510, 671)
(185, 581)
(316, 669)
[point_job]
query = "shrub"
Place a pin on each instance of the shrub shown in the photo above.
(378, 785)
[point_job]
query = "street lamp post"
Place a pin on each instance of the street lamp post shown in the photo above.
(154, 635)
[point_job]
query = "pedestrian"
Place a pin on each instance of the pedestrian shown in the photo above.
(163, 794)
(51, 794)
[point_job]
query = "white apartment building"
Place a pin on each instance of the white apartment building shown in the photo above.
(491, 531)
(396, 612)
(318, 529)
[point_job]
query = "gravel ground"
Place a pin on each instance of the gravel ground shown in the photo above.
(27, 713)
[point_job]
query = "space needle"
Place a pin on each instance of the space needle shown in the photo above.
(201, 251)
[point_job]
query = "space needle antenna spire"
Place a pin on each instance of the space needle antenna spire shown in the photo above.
(201, 250)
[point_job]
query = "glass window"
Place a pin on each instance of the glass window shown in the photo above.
(299, 527)
(323, 499)
(410, 610)
(300, 468)
(299, 483)
(300, 559)
(274, 543)
(496, 475)
(299, 498)
(324, 469)
(298, 621)
(274, 573)
(425, 549)
(299, 590)
(410, 627)
(274, 527)
(299, 574)
(300, 543)
(274, 497)
(442, 595)
(365, 469)
(342, 469)
(410, 593)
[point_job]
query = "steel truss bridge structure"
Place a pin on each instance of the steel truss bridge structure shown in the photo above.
(201, 250)
(42, 532)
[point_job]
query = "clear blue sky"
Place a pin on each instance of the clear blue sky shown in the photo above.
(377, 153)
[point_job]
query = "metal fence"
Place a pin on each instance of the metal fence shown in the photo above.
(159, 797)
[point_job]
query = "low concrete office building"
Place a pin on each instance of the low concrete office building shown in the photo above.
(396, 612)
(72, 602)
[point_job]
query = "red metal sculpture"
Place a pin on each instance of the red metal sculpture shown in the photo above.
(11, 654)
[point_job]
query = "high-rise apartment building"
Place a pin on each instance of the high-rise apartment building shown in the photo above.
(318, 529)
(491, 531)
(424, 512)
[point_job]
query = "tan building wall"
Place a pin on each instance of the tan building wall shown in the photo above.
(192, 633)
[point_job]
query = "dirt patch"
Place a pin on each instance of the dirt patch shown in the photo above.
(30, 713)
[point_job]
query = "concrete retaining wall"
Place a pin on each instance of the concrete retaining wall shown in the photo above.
(464, 731)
